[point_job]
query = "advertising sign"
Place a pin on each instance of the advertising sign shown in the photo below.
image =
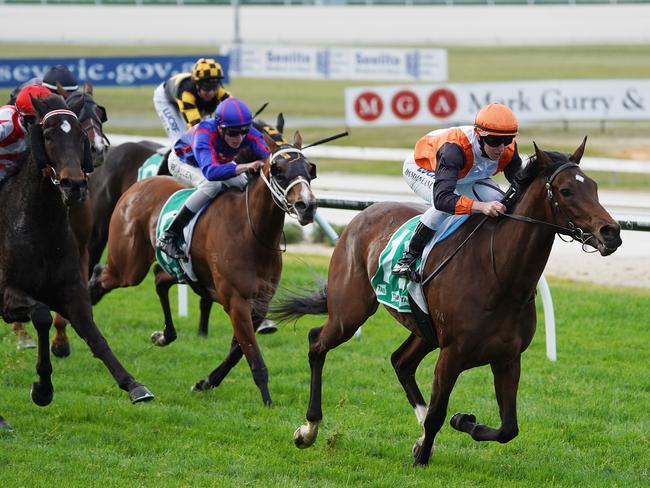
(105, 71)
(530, 100)
(338, 63)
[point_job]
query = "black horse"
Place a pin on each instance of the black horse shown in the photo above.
(40, 268)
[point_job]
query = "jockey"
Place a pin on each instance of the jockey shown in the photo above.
(451, 169)
(204, 157)
(187, 98)
(59, 73)
(14, 120)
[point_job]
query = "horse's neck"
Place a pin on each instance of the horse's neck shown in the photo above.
(265, 216)
(523, 248)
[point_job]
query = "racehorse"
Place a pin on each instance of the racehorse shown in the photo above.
(40, 268)
(235, 250)
(91, 117)
(120, 171)
(482, 304)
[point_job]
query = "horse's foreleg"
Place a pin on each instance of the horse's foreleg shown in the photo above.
(163, 283)
(79, 313)
(217, 375)
(19, 304)
(205, 306)
(60, 343)
(506, 382)
(406, 360)
(446, 373)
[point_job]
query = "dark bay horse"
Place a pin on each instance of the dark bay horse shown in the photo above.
(482, 304)
(40, 268)
(235, 250)
(91, 118)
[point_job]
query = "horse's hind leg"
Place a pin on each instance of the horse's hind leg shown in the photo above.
(506, 382)
(215, 378)
(405, 361)
(164, 281)
(205, 306)
(60, 346)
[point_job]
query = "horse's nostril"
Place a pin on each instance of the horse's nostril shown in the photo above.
(610, 231)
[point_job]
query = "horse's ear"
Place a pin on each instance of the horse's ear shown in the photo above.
(541, 157)
(39, 106)
(279, 124)
(60, 90)
(297, 140)
(270, 143)
(88, 87)
(577, 156)
(37, 146)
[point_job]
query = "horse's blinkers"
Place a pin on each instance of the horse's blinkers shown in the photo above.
(37, 146)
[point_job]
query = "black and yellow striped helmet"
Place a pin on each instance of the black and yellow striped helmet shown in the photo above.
(206, 69)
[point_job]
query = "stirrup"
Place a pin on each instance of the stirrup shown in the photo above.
(167, 244)
(403, 265)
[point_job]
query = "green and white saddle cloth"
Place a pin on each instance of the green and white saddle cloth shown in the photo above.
(176, 267)
(393, 290)
(150, 166)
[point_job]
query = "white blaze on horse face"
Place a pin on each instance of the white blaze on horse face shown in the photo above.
(580, 179)
(98, 142)
(65, 126)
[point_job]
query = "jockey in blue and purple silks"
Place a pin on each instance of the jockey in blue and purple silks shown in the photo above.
(204, 157)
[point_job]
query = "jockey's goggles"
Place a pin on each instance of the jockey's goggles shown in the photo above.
(209, 84)
(236, 131)
(496, 141)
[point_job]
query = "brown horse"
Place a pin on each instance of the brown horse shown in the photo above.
(235, 250)
(91, 118)
(39, 258)
(482, 303)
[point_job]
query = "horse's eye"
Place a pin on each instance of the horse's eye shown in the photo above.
(565, 192)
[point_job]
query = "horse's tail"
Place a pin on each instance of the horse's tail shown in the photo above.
(294, 305)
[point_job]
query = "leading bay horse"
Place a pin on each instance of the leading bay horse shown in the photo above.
(235, 249)
(482, 303)
(40, 268)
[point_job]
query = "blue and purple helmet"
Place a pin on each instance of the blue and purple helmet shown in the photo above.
(232, 112)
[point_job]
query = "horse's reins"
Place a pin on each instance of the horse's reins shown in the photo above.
(49, 169)
(512, 195)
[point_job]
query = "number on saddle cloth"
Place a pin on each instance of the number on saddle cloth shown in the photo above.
(167, 213)
(392, 290)
(150, 166)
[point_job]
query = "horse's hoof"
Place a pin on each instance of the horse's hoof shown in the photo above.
(201, 385)
(267, 327)
(24, 341)
(459, 419)
(41, 396)
(419, 460)
(158, 338)
(60, 350)
(5, 426)
(300, 440)
(140, 394)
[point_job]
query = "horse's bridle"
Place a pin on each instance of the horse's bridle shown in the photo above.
(573, 231)
(49, 170)
(279, 193)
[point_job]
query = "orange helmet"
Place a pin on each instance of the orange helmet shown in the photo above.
(24, 102)
(496, 119)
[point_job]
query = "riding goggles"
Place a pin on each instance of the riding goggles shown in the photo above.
(209, 84)
(236, 131)
(496, 141)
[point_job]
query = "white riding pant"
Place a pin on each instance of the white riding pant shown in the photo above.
(172, 120)
(421, 182)
(206, 190)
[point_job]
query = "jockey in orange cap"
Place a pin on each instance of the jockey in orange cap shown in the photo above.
(452, 169)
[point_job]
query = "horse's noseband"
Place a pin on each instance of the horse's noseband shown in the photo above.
(278, 192)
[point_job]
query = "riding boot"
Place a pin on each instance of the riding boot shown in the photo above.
(168, 240)
(404, 265)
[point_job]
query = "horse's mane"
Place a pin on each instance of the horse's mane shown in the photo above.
(531, 170)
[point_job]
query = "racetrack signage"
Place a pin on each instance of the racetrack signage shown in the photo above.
(337, 63)
(530, 100)
(105, 71)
